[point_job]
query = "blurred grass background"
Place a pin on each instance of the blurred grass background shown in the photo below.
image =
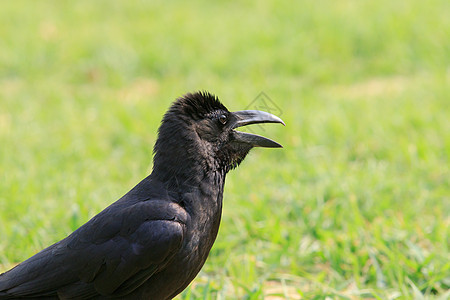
(355, 206)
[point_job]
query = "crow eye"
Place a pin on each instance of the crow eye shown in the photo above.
(223, 119)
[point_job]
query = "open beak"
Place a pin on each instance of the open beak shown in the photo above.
(247, 117)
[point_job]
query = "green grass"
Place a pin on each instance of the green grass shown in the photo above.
(357, 204)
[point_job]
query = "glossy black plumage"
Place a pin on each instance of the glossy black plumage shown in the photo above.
(152, 242)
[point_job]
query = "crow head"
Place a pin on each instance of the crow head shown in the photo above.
(199, 129)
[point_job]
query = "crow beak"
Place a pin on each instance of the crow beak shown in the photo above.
(247, 117)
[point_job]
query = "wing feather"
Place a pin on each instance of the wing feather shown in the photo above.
(115, 252)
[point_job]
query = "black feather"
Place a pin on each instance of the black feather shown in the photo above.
(154, 240)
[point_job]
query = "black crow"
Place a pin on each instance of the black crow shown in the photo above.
(152, 242)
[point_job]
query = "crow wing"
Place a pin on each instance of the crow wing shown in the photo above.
(115, 252)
